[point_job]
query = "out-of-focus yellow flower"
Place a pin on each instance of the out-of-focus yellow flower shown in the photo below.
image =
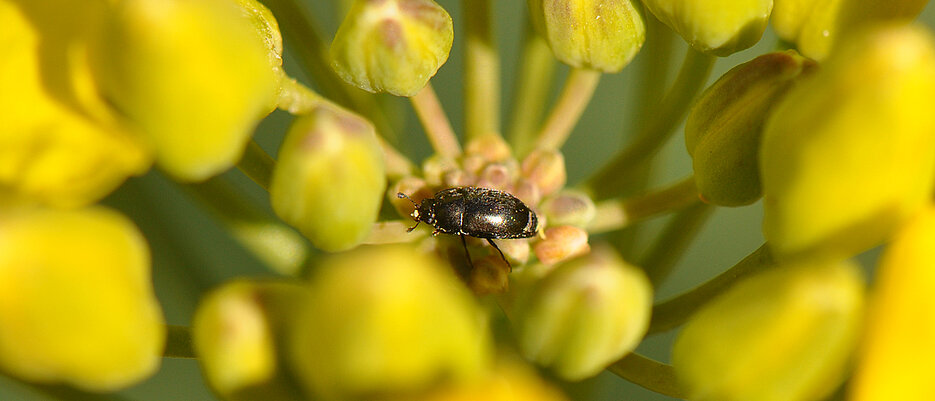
(850, 153)
(386, 320)
(815, 25)
(718, 27)
(236, 331)
(593, 34)
(785, 334)
(898, 345)
(723, 130)
(509, 381)
(330, 178)
(584, 315)
(76, 301)
(59, 144)
(194, 75)
(392, 46)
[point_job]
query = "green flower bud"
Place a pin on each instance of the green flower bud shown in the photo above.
(561, 243)
(592, 34)
(392, 46)
(849, 154)
(569, 208)
(785, 334)
(76, 299)
(236, 332)
(60, 143)
(194, 76)
(717, 27)
(723, 130)
(386, 320)
(329, 180)
(584, 315)
(897, 344)
(814, 26)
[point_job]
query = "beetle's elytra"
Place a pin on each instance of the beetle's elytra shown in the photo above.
(476, 212)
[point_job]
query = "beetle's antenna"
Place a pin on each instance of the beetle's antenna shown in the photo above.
(401, 195)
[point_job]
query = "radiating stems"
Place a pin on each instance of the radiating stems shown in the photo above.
(617, 214)
(178, 343)
(257, 165)
(393, 232)
(397, 165)
(649, 374)
(533, 84)
(481, 71)
(675, 238)
(672, 313)
(436, 124)
(575, 96)
(280, 247)
(691, 79)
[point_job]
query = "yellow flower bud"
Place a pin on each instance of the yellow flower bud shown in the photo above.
(392, 46)
(848, 154)
(267, 28)
(236, 332)
(194, 76)
(584, 315)
(76, 301)
(386, 320)
(592, 34)
(562, 243)
(814, 26)
(717, 27)
(59, 143)
(509, 381)
(723, 130)
(329, 180)
(785, 334)
(897, 350)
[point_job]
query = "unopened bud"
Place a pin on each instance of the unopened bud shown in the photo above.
(495, 176)
(435, 167)
(719, 28)
(723, 130)
(392, 46)
(591, 34)
(569, 208)
(752, 342)
(562, 243)
(329, 180)
(584, 315)
(489, 276)
(546, 169)
(492, 148)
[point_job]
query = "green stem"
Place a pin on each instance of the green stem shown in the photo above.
(691, 79)
(649, 374)
(532, 90)
(397, 165)
(617, 214)
(653, 73)
(435, 121)
(674, 240)
(179, 343)
(271, 241)
(296, 98)
(257, 165)
(672, 313)
(481, 71)
(575, 96)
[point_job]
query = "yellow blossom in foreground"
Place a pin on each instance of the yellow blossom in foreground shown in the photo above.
(509, 381)
(59, 144)
(895, 362)
(194, 75)
(76, 301)
(718, 27)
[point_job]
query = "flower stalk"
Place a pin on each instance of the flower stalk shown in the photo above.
(481, 71)
(435, 121)
(533, 83)
(617, 214)
(575, 96)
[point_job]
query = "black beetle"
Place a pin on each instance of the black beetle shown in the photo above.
(477, 212)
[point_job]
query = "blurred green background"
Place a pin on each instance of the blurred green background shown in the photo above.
(192, 253)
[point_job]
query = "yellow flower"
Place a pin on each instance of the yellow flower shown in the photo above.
(509, 381)
(785, 334)
(59, 143)
(718, 27)
(392, 46)
(194, 75)
(898, 346)
(850, 152)
(76, 301)
(592, 34)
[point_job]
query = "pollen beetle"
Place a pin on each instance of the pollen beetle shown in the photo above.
(476, 212)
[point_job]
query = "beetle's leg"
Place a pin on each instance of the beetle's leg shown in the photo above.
(468, 254)
(434, 233)
(494, 244)
(409, 230)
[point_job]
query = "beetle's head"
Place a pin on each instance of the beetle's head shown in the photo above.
(421, 212)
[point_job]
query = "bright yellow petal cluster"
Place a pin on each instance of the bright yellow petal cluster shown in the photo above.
(76, 299)
(900, 340)
(59, 144)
